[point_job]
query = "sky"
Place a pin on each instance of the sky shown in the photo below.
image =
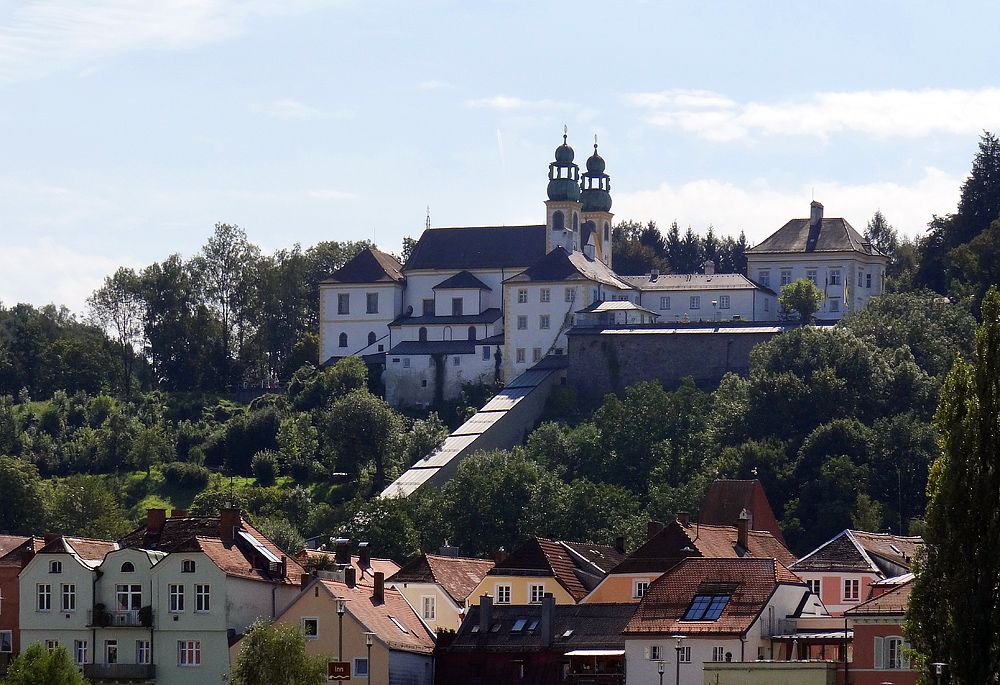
(128, 129)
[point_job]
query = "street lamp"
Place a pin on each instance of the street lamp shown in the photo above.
(677, 640)
(369, 640)
(661, 666)
(341, 608)
(939, 669)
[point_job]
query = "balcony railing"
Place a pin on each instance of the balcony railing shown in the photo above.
(128, 618)
(119, 671)
(595, 678)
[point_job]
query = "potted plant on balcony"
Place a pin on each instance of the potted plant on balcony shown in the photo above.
(101, 617)
(146, 616)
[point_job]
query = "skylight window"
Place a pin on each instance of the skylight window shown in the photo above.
(398, 624)
(532, 626)
(519, 625)
(706, 607)
(895, 549)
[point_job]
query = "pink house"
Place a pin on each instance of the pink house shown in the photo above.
(879, 644)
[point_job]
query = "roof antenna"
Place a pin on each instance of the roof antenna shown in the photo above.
(427, 224)
(595, 143)
(565, 132)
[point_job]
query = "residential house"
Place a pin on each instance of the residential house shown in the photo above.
(727, 500)
(401, 649)
(15, 552)
(830, 253)
(160, 604)
(566, 570)
(713, 610)
(880, 649)
(841, 570)
(545, 644)
(666, 546)
(705, 297)
(438, 586)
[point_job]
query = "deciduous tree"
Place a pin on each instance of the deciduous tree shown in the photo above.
(276, 655)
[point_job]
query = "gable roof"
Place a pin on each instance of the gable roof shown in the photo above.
(833, 235)
(13, 549)
(601, 556)
(860, 551)
(368, 266)
(665, 549)
(748, 582)
(491, 247)
(364, 575)
(463, 280)
(560, 265)
(576, 626)
(726, 500)
(87, 551)
(891, 602)
(9, 543)
(541, 557)
(685, 282)
(457, 576)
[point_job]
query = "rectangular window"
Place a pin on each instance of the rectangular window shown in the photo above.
(80, 652)
(851, 589)
(142, 652)
(187, 566)
(6, 641)
(811, 275)
(718, 653)
(522, 323)
(834, 276)
(520, 355)
(111, 651)
(406, 362)
(343, 303)
(767, 305)
(570, 294)
(685, 655)
(310, 627)
(655, 653)
(68, 597)
(503, 594)
(765, 278)
(428, 608)
(544, 295)
(189, 653)
(724, 302)
(55, 567)
(44, 597)
(428, 307)
(695, 302)
(536, 354)
(201, 598)
(371, 301)
(868, 280)
(665, 303)
(861, 278)
(486, 354)
(814, 586)
(893, 653)
(786, 277)
(51, 645)
(535, 593)
(360, 667)
(706, 607)
(834, 304)
(129, 597)
(457, 306)
(543, 321)
(176, 597)
(639, 588)
(522, 296)
(456, 361)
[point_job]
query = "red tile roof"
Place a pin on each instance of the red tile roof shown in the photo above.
(726, 500)
(376, 617)
(11, 542)
(90, 551)
(364, 575)
(542, 557)
(749, 582)
(894, 601)
(458, 576)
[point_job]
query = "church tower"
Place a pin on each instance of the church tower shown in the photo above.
(596, 211)
(562, 209)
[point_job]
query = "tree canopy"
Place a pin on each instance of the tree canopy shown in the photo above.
(272, 654)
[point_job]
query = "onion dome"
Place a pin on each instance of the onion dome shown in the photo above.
(564, 175)
(596, 185)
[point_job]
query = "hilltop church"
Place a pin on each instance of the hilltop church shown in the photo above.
(485, 304)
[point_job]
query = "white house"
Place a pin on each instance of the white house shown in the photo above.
(704, 297)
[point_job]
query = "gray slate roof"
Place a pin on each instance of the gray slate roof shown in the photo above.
(560, 265)
(492, 247)
(694, 282)
(415, 347)
(463, 280)
(832, 235)
(368, 266)
(486, 316)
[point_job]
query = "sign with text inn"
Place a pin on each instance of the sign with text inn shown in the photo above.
(338, 670)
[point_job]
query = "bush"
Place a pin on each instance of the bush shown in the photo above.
(265, 467)
(186, 475)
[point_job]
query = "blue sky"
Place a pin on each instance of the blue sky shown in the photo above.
(128, 129)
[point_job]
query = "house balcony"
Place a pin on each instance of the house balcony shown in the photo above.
(595, 678)
(119, 671)
(129, 618)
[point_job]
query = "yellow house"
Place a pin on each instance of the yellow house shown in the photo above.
(401, 648)
(438, 586)
(567, 570)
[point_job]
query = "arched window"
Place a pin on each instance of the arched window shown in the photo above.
(607, 231)
(422, 334)
(558, 221)
(576, 222)
(127, 567)
(447, 332)
(187, 566)
(472, 332)
(371, 338)
(343, 339)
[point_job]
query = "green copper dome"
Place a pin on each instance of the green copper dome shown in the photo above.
(596, 185)
(564, 175)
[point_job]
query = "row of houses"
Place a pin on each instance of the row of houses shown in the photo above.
(707, 600)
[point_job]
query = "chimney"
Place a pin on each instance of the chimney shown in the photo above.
(305, 579)
(378, 594)
(709, 267)
(653, 275)
(350, 576)
(485, 614)
(50, 538)
(500, 555)
(178, 513)
(652, 529)
(229, 523)
(449, 550)
(590, 250)
(547, 624)
(620, 544)
(683, 518)
(364, 555)
(343, 551)
(815, 214)
(154, 520)
(742, 530)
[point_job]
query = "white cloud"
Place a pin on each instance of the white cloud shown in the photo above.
(759, 210)
(41, 37)
(291, 109)
(884, 113)
(505, 102)
(330, 195)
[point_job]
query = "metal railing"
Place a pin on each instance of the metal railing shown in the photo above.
(595, 678)
(127, 618)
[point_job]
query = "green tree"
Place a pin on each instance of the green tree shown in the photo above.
(276, 655)
(37, 666)
(22, 509)
(955, 604)
(881, 234)
(117, 307)
(803, 297)
(364, 430)
(82, 505)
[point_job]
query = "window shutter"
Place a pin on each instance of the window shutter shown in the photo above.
(879, 653)
(906, 656)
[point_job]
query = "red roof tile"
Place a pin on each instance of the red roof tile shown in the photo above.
(542, 557)
(364, 575)
(894, 601)
(726, 500)
(458, 576)
(376, 617)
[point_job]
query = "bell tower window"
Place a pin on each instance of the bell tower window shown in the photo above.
(558, 221)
